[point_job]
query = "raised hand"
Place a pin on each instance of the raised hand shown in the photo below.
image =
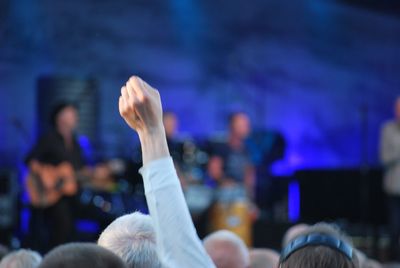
(140, 106)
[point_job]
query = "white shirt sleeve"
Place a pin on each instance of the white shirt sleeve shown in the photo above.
(177, 240)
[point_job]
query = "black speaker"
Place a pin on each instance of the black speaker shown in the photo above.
(342, 194)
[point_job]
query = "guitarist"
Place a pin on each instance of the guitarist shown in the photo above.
(57, 148)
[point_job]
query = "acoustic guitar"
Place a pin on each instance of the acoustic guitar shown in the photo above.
(46, 184)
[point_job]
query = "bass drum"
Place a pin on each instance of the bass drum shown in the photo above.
(232, 214)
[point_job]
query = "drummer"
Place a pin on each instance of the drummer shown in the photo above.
(230, 165)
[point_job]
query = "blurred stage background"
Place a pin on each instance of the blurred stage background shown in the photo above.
(323, 74)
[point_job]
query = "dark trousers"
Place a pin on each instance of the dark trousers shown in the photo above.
(52, 226)
(394, 225)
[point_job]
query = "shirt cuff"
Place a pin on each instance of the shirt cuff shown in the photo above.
(158, 164)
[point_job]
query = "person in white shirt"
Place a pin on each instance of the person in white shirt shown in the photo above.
(177, 240)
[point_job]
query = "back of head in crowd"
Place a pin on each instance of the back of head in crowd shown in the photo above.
(81, 255)
(320, 246)
(263, 258)
(132, 237)
(22, 258)
(227, 250)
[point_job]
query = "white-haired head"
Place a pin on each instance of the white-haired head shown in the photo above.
(23, 258)
(132, 237)
(227, 250)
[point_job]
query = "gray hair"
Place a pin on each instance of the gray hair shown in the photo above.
(226, 249)
(23, 258)
(132, 237)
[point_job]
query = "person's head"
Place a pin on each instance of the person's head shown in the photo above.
(320, 246)
(397, 109)
(170, 123)
(263, 258)
(81, 255)
(65, 116)
(239, 125)
(227, 250)
(292, 232)
(23, 258)
(132, 237)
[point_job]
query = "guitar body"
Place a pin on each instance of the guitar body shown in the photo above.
(46, 184)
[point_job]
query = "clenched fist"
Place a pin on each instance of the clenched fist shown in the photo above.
(140, 106)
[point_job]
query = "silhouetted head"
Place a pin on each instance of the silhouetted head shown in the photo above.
(65, 116)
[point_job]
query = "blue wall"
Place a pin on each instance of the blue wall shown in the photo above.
(311, 70)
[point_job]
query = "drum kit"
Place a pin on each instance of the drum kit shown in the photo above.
(227, 207)
(222, 207)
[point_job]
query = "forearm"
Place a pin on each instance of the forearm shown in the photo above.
(154, 145)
